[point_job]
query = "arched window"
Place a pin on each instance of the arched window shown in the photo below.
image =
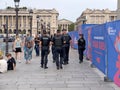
(24, 31)
(19, 31)
(14, 31)
(10, 31)
(29, 31)
(0, 31)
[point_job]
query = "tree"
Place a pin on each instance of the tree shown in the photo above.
(71, 27)
(59, 27)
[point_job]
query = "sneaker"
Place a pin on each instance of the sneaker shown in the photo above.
(57, 68)
(19, 61)
(41, 66)
(61, 67)
(45, 67)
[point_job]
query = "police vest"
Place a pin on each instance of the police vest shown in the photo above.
(66, 38)
(58, 41)
(45, 41)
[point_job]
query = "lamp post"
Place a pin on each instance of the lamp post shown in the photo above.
(30, 16)
(16, 9)
(6, 30)
(37, 23)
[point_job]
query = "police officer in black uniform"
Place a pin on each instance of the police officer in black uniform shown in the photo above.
(81, 47)
(66, 46)
(58, 43)
(44, 43)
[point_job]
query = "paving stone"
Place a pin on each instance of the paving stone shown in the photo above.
(73, 76)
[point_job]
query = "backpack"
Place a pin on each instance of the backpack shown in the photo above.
(28, 42)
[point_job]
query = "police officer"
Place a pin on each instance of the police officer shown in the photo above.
(58, 43)
(44, 44)
(81, 47)
(66, 46)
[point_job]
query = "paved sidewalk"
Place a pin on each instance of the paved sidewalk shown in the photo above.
(74, 76)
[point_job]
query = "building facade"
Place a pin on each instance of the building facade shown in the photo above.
(96, 16)
(47, 20)
(118, 9)
(64, 24)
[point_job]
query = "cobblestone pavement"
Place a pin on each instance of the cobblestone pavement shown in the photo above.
(74, 76)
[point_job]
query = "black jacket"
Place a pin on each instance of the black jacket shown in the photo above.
(81, 43)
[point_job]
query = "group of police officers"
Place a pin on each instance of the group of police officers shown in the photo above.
(60, 48)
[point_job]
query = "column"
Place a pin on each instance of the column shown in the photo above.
(22, 22)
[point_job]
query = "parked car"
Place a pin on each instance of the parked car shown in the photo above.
(10, 39)
(1, 36)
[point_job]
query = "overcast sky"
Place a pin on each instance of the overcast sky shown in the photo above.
(68, 9)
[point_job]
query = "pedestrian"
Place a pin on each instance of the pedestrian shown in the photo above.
(17, 48)
(81, 47)
(11, 62)
(66, 46)
(58, 43)
(45, 45)
(28, 48)
(36, 47)
(3, 63)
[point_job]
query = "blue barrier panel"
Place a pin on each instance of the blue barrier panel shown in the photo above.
(86, 30)
(113, 51)
(98, 47)
(74, 35)
(87, 36)
(83, 27)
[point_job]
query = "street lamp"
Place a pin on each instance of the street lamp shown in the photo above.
(37, 22)
(30, 16)
(16, 9)
(5, 26)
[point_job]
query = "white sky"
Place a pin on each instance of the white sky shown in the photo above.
(68, 9)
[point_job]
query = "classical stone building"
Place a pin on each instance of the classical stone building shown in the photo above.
(64, 24)
(48, 19)
(96, 16)
(118, 9)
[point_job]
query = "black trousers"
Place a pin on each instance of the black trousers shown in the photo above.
(53, 53)
(44, 55)
(66, 49)
(80, 51)
(59, 56)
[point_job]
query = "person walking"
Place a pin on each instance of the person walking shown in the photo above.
(58, 43)
(81, 47)
(28, 48)
(44, 44)
(17, 48)
(66, 46)
(36, 47)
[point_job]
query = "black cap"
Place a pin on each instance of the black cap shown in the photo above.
(44, 32)
(64, 30)
(58, 31)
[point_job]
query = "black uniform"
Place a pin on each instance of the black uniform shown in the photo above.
(58, 43)
(45, 40)
(66, 47)
(81, 48)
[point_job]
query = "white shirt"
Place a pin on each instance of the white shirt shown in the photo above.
(3, 66)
